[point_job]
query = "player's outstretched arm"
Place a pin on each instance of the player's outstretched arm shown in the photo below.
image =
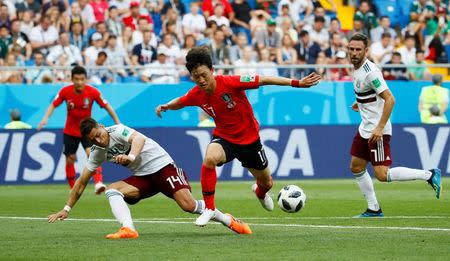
(74, 195)
(47, 115)
(112, 113)
(172, 105)
(305, 82)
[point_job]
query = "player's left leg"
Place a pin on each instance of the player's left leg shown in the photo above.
(116, 192)
(381, 160)
(99, 187)
(186, 201)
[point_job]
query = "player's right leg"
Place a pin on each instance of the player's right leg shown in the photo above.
(215, 155)
(116, 194)
(186, 201)
(70, 149)
(263, 184)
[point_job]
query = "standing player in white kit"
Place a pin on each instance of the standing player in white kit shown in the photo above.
(374, 101)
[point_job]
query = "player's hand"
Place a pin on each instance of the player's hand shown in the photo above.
(123, 159)
(161, 108)
(41, 124)
(310, 80)
(61, 215)
(377, 135)
(355, 107)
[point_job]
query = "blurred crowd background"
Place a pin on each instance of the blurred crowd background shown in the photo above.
(147, 41)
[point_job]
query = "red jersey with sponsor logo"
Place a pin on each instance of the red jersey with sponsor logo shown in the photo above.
(229, 106)
(79, 106)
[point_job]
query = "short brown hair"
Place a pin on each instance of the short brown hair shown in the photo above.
(360, 37)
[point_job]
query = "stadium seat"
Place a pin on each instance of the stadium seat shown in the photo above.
(345, 15)
(388, 8)
(404, 7)
(129, 79)
(447, 50)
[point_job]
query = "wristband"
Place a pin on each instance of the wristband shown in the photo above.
(131, 157)
(67, 208)
(295, 83)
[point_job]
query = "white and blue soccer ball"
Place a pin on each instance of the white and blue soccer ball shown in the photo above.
(291, 199)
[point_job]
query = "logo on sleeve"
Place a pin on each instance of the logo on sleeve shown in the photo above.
(248, 78)
(125, 132)
(376, 83)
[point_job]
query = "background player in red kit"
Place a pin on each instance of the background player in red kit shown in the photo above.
(79, 98)
(237, 132)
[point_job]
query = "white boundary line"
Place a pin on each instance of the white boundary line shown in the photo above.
(171, 221)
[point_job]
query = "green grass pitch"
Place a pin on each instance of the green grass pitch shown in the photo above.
(416, 226)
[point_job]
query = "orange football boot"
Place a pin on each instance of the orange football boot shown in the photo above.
(124, 232)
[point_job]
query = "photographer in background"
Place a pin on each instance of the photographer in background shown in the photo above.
(433, 102)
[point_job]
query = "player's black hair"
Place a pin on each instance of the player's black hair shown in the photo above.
(87, 125)
(198, 56)
(360, 37)
(79, 70)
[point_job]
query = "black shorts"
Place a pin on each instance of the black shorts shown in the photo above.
(251, 155)
(71, 144)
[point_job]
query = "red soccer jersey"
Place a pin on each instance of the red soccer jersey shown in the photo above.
(79, 106)
(229, 106)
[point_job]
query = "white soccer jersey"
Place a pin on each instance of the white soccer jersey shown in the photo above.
(368, 83)
(151, 159)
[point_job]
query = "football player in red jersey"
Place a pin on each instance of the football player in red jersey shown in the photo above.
(79, 98)
(237, 132)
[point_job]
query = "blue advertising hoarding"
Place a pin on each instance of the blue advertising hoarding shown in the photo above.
(294, 152)
(328, 103)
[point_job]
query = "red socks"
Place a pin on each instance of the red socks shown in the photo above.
(70, 174)
(97, 176)
(208, 180)
(261, 190)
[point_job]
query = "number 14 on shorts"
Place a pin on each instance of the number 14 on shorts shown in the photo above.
(173, 179)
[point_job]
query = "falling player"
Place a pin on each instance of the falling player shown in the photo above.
(237, 132)
(79, 98)
(153, 171)
(374, 101)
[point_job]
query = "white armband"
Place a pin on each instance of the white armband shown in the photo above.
(131, 157)
(67, 208)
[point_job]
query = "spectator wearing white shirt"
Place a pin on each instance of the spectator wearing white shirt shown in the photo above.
(318, 33)
(160, 71)
(87, 13)
(26, 23)
(43, 36)
(267, 67)
(100, 75)
(36, 75)
(237, 50)
(64, 48)
(114, 23)
(408, 51)
(137, 36)
(296, 8)
(193, 22)
(381, 52)
(219, 17)
(117, 56)
(246, 65)
(91, 53)
(383, 27)
(171, 50)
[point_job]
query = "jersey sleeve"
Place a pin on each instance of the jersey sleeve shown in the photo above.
(99, 98)
(243, 82)
(122, 133)
(59, 98)
(376, 82)
(191, 98)
(96, 158)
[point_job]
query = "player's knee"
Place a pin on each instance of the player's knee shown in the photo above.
(381, 175)
(354, 168)
(211, 161)
(70, 159)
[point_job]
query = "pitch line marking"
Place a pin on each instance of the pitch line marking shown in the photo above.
(252, 224)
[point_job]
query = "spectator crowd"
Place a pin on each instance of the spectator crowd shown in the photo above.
(144, 41)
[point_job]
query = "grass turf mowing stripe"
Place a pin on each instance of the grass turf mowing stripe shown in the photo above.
(251, 224)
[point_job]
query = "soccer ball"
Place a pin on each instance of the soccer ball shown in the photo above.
(291, 199)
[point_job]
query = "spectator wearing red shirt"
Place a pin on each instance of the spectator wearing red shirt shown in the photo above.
(208, 8)
(133, 18)
(100, 8)
(237, 132)
(79, 98)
